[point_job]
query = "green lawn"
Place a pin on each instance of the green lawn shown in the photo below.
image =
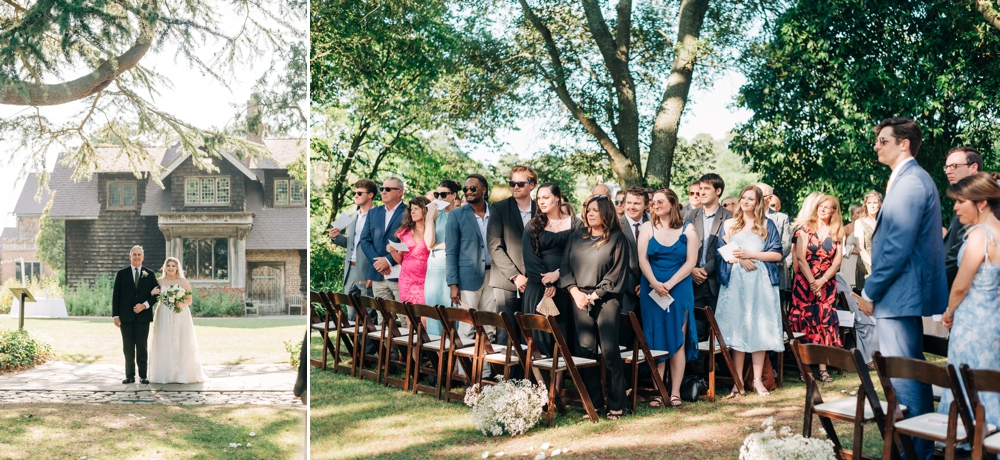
(352, 418)
(220, 340)
(115, 431)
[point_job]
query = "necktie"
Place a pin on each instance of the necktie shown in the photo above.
(636, 225)
(135, 279)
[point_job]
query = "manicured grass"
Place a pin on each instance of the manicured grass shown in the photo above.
(220, 340)
(74, 431)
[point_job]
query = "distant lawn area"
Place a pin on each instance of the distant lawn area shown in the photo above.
(220, 340)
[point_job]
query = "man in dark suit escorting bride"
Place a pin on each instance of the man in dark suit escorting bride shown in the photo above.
(131, 303)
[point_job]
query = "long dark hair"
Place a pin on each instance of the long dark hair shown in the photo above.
(609, 218)
(540, 220)
(408, 222)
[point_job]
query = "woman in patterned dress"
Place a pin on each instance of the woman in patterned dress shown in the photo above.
(863, 230)
(819, 253)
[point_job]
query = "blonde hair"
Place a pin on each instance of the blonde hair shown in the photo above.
(759, 220)
(864, 202)
(180, 271)
(836, 221)
(807, 210)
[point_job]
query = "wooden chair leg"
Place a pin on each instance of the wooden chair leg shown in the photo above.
(711, 376)
(781, 369)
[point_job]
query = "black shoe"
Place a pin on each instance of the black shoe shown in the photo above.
(128, 381)
(144, 381)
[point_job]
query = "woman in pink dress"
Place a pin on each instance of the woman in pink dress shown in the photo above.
(413, 263)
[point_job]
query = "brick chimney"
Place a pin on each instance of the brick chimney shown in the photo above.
(255, 129)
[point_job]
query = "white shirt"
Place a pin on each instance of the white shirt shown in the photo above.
(483, 221)
(388, 215)
(892, 178)
(631, 224)
(359, 227)
(525, 215)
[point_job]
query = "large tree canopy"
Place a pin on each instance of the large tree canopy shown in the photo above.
(91, 52)
(834, 68)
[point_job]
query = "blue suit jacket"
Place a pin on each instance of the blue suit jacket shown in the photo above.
(908, 274)
(465, 253)
(376, 236)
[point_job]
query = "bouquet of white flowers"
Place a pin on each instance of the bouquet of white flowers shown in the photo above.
(173, 295)
(769, 446)
(514, 406)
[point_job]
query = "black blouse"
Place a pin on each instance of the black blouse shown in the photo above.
(595, 269)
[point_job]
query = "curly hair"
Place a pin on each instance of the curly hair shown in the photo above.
(408, 223)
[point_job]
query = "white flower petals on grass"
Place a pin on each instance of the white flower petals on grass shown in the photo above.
(486, 454)
(540, 456)
(252, 434)
(545, 446)
(499, 454)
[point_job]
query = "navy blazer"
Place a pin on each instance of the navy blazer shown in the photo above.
(908, 274)
(375, 237)
(771, 244)
(465, 253)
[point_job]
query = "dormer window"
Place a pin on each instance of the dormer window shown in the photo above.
(121, 195)
(288, 192)
(206, 191)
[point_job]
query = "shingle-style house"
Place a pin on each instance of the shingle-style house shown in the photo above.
(18, 244)
(243, 226)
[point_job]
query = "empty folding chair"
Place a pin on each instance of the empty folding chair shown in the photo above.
(716, 345)
(372, 333)
(506, 357)
(397, 335)
(346, 332)
(461, 354)
(320, 323)
(978, 381)
(435, 346)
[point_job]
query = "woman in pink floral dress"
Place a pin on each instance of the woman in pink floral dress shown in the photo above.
(413, 263)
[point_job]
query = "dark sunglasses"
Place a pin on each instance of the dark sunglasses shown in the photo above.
(618, 202)
(692, 193)
(471, 189)
(441, 194)
(513, 184)
(389, 189)
(356, 193)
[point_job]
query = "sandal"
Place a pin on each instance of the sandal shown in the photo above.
(613, 416)
(675, 401)
(824, 376)
(656, 401)
(763, 392)
(734, 393)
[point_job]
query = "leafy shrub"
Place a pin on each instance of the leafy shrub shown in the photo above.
(94, 300)
(326, 260)
(217, 301)
(294, 348)
(18, 350)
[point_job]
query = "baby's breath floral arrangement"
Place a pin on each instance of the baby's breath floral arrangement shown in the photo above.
(513, 406)
(783, 445)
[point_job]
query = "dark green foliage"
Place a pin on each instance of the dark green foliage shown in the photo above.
(217, 301)
(18, 350)
(94, 300)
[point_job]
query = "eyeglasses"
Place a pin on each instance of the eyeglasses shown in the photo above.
(513, 184)
(441, 194)
(389, 189)
(882, 141)
(471, 189)
(955, 166)
(618, 202)
(357, 193)
(693, 193)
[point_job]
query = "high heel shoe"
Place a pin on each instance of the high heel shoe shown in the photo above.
(763, 392)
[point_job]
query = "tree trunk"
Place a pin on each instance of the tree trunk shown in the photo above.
(668, 117)
(989, 12)
(341, 187)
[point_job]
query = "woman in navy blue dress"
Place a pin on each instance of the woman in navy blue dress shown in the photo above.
(666, 259)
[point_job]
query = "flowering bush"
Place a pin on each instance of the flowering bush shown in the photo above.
(770, 446)
(513, 406)
(217, 301)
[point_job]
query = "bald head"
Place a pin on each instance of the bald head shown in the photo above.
(601, 189)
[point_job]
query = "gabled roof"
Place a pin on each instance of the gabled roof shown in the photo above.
(231, 159)
(78, 199)
(26, 204)
(283, 152)
(276, 228)
(9, 232)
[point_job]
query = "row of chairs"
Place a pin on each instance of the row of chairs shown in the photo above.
(898, 435)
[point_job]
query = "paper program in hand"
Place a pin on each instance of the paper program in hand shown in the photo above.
(342, 222)
(727, 251)
(399, 246)
(663, 301)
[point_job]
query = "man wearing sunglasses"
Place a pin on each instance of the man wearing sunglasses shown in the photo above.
(355, 264)
(961, 162)
(380, 228)
(694, 200)
(468, 262)
(503, 241)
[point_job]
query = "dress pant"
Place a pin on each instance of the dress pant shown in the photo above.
(481, 299)
(904, 336)
(386, 289)
(135, 339)
(507, 302)
(703, 297)
(355, 286)
(600, 326)
(864, 327)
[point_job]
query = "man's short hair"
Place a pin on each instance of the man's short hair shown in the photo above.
(481, 178)
(972, 156)
(532, 175)
(399, 182)
(768, 191)
(143, 252)
(715, 181)
(641, 192)
(903, 128)
(368, 185)
(695, 183)
(619, 193)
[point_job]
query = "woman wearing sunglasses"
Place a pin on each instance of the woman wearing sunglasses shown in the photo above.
(436, 287)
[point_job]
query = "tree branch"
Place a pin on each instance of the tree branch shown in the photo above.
(18, 8)
(989, 12)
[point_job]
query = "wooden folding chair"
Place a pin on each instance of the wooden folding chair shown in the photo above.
(788, 337)
(936, 345)
(371, 333)
(863, 408)
(713, 346)
(948, 429)
(347, 331)
(976, 381)
(560, 361)
(435, 345)
(639, 354)
(460, 351)
(489, 353)
(400, 336)
(321, 324)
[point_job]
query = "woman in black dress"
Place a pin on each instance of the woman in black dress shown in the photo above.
(593, 272)
(544, 244)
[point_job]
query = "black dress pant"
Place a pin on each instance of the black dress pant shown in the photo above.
(507, 302)
(600, 325)
(135, 337)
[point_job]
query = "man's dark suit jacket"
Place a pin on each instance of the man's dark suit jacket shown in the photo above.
(126, 295)
(375, 237)
(697, 219)
(503, 241)
(633, 276)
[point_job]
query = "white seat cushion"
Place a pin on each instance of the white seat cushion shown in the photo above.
(845, 407)
(467, 352)
(703, 346)
(657, 354)
(546, 363)
(795, 335)
(503, 348)
(992, 443)
(499, 358)
(934, 426)
(319, 326)
(436, 344)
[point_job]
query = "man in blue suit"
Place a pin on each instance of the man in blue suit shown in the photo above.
(468, 262)
(380, 228)
(908, 279)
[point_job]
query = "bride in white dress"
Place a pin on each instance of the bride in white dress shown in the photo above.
(173, 356)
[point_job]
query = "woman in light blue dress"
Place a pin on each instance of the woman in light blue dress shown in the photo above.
(749, 309)
(436, 290)
(975, 296)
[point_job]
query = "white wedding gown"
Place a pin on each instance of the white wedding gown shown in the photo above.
(173, 353)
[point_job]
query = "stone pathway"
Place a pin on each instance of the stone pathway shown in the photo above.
(66, 382)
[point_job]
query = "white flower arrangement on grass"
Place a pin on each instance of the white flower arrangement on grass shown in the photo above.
(513, 406)
(770, 446)
(173, 295)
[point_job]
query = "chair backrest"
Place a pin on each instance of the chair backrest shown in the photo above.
(390, 309)
(977, 380)
(460, 315)
(424, 311)
(895, 367)
(705, 314)
(364, 303)
(315, 299)
(936, 345)
(548, 325)
(640, 338)
(500, 321)
(849, 360)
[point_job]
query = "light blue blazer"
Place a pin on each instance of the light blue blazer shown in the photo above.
(465, 253)
(908, 274)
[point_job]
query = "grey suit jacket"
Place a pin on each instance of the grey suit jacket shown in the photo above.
(697, 219)
(780, 220)
(348, 239)
(465, 253)
(634, 274)
(503, 240)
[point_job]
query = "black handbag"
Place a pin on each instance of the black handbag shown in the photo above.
(691, 387)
